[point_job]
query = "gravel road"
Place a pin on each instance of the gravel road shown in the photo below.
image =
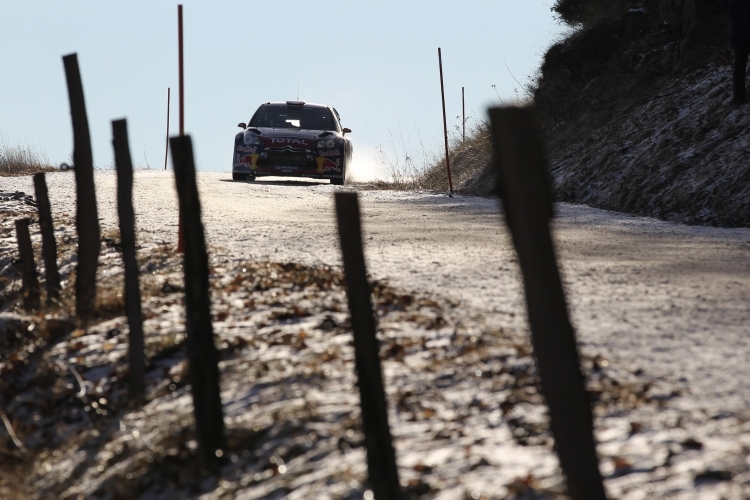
(670, 298)
(662, 305)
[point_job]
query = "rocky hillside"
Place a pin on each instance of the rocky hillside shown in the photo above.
(636, 107)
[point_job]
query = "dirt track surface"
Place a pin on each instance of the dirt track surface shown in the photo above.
(671, 298)
(660, 309)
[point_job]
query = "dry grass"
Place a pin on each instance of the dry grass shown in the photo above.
(407, 168)
(468, 158)
(22, 160)
(402, 164)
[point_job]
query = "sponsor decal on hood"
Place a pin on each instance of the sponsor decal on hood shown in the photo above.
(286, 141)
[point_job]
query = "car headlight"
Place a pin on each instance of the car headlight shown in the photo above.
(251, 139)
(330, 143)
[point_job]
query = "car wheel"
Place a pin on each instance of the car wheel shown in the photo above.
(341, 181)
(251, 178)
(239, 177)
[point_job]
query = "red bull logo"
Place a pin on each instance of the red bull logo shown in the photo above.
(326, 165)
(250, 160)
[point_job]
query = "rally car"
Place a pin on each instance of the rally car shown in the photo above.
(292, 138)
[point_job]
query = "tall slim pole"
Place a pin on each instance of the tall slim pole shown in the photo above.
(445, 125)
(180, 239)
(166, 151)
(182, 80)
(463, 114)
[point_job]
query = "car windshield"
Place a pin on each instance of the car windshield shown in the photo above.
(303, 118)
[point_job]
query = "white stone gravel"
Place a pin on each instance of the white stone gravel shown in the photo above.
(668, 298)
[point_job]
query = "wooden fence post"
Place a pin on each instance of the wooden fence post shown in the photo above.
(87, 218)
(28, 267)
(123, 162)
(381, 458)
(527, 198)
(49, 245)
(201, 350)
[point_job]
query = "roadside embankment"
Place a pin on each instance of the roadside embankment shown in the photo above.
(638, 115)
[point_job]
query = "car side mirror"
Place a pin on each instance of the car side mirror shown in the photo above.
(242, 125)
(347, 131)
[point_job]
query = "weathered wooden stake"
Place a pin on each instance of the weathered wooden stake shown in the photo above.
(201, 350)
(381, 458)
(137, 369)
(28, 267)
(87, 218)
(527, 198)
(49, 245)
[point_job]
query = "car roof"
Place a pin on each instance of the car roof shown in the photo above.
(284, 105)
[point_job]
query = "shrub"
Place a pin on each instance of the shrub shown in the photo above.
(590, 12)
(22, 160)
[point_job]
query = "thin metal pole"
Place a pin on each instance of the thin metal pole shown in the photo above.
(463, 108)
(445, 125)
(182, 80)
(180, 238)
(166, 151)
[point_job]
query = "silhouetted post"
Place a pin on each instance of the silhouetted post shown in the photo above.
(445, 126)
(49, 245)
(28, 268)
(137, 370)
(463, 113)
(526, 194)
(381, 458)
(166, 149)
(181, 69)
(87, 219)
(201, 350)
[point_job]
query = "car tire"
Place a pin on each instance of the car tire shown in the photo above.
(236, 176)
(251, 178)
(341, 181)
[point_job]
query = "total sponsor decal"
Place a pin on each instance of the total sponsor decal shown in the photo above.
(330, 152)
(247, 149)
(325, 165)
(250, 160)
(286, 140)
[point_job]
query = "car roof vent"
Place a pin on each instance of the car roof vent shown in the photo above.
(295, 104)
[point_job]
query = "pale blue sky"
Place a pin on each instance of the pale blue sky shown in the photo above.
(376, 62)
